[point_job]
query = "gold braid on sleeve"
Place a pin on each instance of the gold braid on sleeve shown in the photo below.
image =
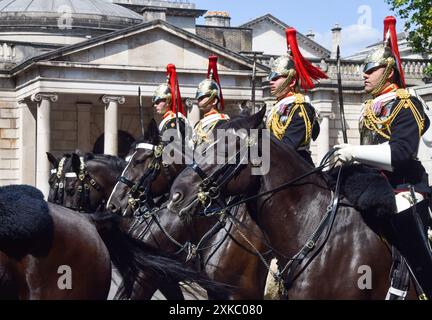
(382, 127)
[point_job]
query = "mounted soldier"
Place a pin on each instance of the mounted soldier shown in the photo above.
(210, 103)
(391, 125)
(293, 119)
(167, 103)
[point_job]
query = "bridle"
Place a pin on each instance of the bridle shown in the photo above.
(209, 191)
(85, 182)
(139, 195)
(59, 183)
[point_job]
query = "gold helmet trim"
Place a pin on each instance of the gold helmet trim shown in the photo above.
(162, 92)
(208, 88)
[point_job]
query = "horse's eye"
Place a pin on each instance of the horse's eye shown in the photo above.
(138, 161)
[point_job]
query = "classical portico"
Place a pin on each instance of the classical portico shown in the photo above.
(89, 92)
(43, 138)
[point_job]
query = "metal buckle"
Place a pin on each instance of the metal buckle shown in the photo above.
(158, 151)
(310, 244)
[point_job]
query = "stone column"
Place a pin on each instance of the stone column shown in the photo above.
(27, 143)
(111, 123)
(323, 140)
(43, 138)
(84, 129)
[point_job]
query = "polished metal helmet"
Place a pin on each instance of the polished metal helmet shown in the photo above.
(294, 66)
(282, 67)
(163, 92)
(208, 88)
(381, 56)
(386, 55)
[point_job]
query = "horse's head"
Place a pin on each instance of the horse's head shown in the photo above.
(57, 177)
(89, 180)
(145, 176)
(226, 169)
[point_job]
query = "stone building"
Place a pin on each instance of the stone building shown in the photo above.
(70, 72)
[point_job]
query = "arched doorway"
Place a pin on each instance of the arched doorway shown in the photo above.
(125, 141)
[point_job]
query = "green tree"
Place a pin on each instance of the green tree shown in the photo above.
(418, 17)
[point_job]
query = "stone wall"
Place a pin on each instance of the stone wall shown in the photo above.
(235, 39)
(9, 135)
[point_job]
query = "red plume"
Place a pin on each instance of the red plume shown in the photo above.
(390, 27)
(212, 68)
(305, 70)
(177, 105)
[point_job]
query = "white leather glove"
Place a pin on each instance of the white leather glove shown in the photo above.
(374, 155)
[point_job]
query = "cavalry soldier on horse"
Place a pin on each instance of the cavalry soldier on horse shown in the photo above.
(210, 102)
(391, 125)
(293, 119)
(167, 103)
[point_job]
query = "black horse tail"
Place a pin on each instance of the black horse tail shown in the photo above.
(139, 263)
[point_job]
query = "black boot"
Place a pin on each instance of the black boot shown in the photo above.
(407, 231)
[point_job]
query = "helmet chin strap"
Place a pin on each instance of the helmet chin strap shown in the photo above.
(210, 99)
(390, 63)
(284, 84)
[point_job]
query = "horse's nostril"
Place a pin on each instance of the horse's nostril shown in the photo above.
(177, 197)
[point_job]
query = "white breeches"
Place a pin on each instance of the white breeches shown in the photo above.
(404, 200)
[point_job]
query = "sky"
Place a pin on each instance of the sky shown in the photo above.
(361, 20)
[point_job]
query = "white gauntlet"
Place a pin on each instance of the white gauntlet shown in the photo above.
(374, 155)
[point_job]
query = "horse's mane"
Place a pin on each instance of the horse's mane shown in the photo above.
(241, 122)
(113, 162)
(237, 122)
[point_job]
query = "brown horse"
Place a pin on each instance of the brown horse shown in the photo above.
(225, 249)
(229, 255)
(86, 184)
(50, 252)
(289, 217)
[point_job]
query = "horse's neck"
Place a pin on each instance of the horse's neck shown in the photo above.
(290, 216)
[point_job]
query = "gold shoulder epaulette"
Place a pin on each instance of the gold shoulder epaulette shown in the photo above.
(402, 94)
(299, 98)
(372, 122)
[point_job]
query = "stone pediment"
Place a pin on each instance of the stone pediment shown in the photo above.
(151, 45)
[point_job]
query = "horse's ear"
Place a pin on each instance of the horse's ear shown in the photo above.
(76, 163)
(53, 160)
(79, 152)
(257, 118)
(89, 156)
